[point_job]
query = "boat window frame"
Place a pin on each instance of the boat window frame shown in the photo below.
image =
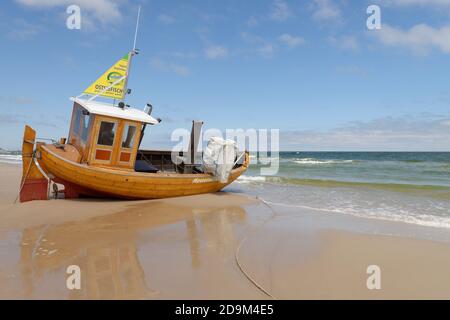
(115, 130)
(133, 149)
(77, 121)
(77, 132)
(128, 125)
(85, 129)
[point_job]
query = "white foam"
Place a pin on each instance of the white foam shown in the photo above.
(316, 161)
(422, 220)
(248, 179)
(10, 158)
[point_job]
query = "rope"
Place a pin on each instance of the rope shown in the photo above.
(238, 158)
(236, 255)
(143, 156)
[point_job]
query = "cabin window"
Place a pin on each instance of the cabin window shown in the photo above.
(106, 133)
(85, 128)
(76, 123)
(129, 133)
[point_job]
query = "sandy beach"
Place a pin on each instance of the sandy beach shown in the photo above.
(227, 245)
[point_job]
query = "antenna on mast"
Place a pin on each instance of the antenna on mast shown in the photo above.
(131, 54)
(137, 28)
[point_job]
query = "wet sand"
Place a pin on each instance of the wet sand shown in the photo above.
(186, 248)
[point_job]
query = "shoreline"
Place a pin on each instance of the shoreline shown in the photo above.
(185, 248)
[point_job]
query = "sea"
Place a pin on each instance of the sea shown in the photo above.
(409, 187)
(10, 157)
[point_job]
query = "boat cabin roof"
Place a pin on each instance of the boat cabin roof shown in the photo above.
(104, 109)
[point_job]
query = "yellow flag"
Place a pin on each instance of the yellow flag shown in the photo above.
(116, 72)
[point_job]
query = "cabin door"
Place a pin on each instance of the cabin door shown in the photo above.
(129, 133)
(105, 139)
(116, 142)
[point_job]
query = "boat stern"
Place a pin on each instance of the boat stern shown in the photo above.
(34, 184)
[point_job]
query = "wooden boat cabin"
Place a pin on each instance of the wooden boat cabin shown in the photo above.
(107, 136)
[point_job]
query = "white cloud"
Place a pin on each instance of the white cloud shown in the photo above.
(180, 70)
(262, 46)
(16, 100)
(252, 22)
(291, 41)
(171, 67)
(345, 42)
(183, 55)
(325, 10)
(417, 2)
(266, 50)
(387, 134)
(166, 19)
(281, 11)
(105, 11)
(23, 30)
(215, 52)
(420, 38)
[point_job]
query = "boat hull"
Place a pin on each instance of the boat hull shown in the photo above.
(84, 180)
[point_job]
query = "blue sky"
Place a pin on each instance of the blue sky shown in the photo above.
(309, 68)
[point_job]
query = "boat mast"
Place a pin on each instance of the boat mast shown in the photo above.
(132, 53)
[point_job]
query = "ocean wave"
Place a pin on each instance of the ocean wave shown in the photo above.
(312, 161)
(412, 161)
(340, 183)
(248, 179)
(422, 220)
(10, 158)
(435, 191)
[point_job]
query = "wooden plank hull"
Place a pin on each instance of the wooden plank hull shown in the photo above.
(99, 181)
(34, 184)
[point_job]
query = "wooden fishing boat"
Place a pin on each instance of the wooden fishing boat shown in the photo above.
(102, 157)
(64, 164)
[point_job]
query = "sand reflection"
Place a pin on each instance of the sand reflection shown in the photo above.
(108, 249)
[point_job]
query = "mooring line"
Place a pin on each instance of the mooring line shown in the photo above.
(236, 255)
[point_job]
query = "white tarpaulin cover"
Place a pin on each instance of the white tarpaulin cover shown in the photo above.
(219, 157)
